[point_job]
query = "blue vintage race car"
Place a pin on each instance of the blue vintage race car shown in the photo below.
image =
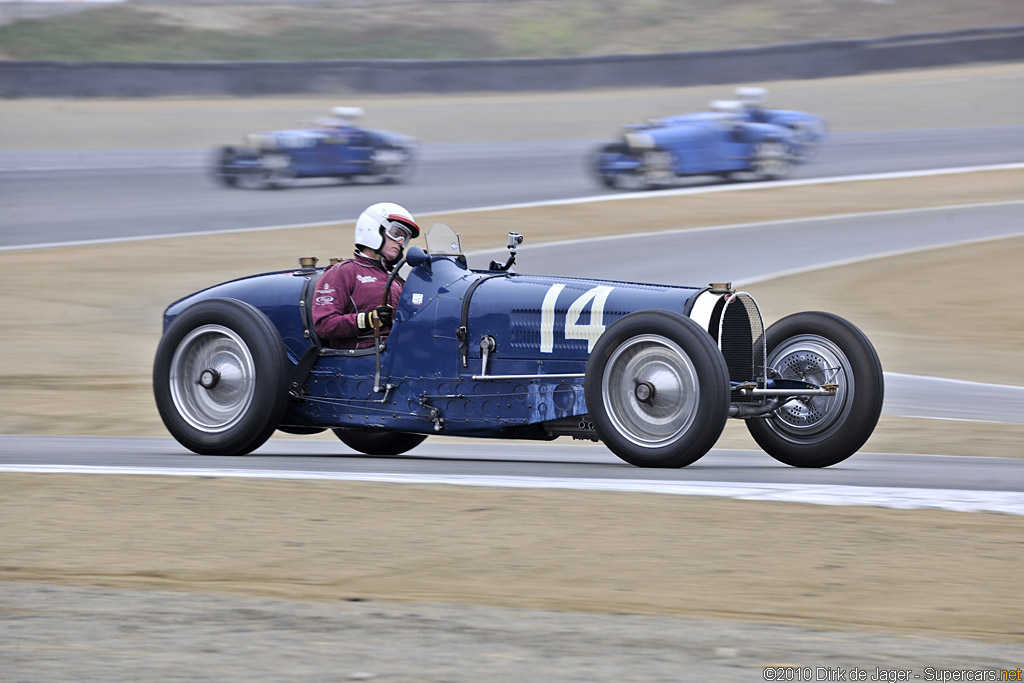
(334, 148)
(653, 371)
(737, 137)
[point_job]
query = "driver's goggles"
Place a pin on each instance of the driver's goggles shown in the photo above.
(399, 232)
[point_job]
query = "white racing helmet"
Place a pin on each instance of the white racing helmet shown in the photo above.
(376, 219)
(751, 97)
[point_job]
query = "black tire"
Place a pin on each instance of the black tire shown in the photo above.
(657, 389)
(593, 163)
(220, 378)
(223, 159)
(379, 442)
(300, 431)
(820, 431)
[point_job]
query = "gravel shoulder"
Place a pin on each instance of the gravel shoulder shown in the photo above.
(933, 573)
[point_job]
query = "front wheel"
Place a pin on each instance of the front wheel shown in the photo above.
(657, 388)
(379, 442)
(596, 160)
(819, 431)
(225, 166)
(392, 164)
(771, 160)
(220, 377)
(275, 171)
(807, 137)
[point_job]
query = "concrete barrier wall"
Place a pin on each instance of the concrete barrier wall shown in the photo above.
(791, 61)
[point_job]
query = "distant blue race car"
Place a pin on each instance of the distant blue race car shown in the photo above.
(738, 137)
(335, 148)
(653, 371)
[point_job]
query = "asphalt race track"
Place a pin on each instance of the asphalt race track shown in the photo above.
(119, 194)
(886, 480)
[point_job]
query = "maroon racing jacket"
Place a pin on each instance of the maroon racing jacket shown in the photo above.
(343, 291)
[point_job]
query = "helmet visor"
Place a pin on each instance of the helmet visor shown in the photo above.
(399, 232)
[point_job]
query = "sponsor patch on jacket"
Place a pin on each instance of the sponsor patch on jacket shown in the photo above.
(417, 298)
(324, 300)
(366, 278)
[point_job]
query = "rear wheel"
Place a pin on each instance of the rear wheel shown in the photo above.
(807, 137)
(220, 376)
(818, 431)
(657, 389)
(379, 442)
(771, 160)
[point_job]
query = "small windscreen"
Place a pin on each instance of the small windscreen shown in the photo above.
(442, 239)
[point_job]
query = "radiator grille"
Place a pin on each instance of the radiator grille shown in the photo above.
(741, 339)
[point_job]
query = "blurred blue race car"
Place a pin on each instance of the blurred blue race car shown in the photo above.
(334, 148)
(737, 137)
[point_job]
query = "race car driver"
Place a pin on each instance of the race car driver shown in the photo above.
(347, 306)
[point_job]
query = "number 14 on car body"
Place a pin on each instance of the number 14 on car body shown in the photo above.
(590, 331)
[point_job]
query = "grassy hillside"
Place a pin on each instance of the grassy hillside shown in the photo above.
(438, 29)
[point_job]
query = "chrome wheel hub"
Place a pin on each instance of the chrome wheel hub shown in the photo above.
(816, 360)
(650, 390)
(212, 378)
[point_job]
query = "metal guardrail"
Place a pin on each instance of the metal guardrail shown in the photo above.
(820, 59)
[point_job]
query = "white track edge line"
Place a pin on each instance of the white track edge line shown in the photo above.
(1004, 502)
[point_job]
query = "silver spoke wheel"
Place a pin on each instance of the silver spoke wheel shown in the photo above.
(650, 390)
(212, 378)
(820, 431)
(817, 360)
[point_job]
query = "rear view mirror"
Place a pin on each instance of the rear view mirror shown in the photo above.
(416, 256)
